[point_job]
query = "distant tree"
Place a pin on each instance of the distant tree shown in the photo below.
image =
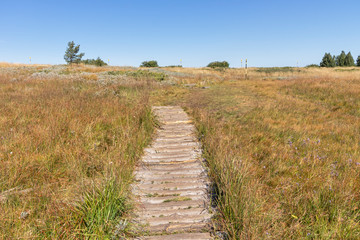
(340, 59)
(97, 62)
(349, 60)
(217, 64)
(151, 63)
(328, 61)
(72, 54)
(358, 61)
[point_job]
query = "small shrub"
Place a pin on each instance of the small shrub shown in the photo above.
(223, 64)
(312, 66)
(151, 63)
(97, 62)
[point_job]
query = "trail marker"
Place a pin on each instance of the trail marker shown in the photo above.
(246, 73)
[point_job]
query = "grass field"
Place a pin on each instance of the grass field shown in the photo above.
(282, 146)
(67, 151)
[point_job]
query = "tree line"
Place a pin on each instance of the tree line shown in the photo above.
(342, 60)
(72, 55)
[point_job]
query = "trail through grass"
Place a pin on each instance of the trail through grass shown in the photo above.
(283, 155)
(282, 148)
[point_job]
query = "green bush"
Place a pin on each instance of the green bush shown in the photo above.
(358, 61)
(312, 66)
(217, 64)
(97, 62)
(151, 63)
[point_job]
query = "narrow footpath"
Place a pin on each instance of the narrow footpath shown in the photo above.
(171, 182)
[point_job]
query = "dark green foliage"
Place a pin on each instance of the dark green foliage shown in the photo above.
(312, 66)
(349, 60)
(223, 64)
(72, 54)
(151, 63)
(328, 61)
(340, 60)
(358, 61)
(97, 62)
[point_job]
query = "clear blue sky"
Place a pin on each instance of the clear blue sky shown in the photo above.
(268, 33)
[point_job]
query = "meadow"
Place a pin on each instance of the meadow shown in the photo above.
(68, 144)
(282, 149)
(281, 145)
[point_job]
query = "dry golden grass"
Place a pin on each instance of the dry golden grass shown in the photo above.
(282, 148)
(6, 64)
(67, 142)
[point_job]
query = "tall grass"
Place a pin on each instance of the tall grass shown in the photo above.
(283, 154)
(71, 144)
(285, 162)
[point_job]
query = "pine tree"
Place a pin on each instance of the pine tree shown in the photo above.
(71, 53)
(328, 61)
(358, 61)
(340, 60)
(349, 60)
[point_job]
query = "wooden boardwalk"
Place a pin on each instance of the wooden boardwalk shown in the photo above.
(172, 184)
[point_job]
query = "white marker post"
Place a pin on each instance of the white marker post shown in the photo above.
(246, 73)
